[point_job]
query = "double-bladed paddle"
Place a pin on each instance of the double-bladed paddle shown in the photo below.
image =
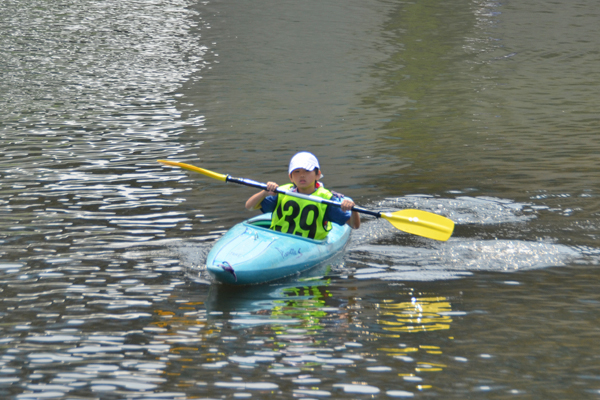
(417, 222)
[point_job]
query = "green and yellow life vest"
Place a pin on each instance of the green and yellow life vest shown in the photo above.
(301, 217)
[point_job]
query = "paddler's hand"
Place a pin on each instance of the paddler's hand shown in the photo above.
(347, 205)
(271, 188)
(253, 203)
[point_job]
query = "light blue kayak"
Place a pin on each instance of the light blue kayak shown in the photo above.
(251, 253)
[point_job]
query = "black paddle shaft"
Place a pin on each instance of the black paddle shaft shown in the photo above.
(263, 186)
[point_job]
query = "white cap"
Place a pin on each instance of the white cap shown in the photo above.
(304, 160)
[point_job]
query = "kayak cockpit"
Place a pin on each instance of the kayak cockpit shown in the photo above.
(263, 221)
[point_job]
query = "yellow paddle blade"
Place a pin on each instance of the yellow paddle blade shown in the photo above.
(421, 223)
(189, 167)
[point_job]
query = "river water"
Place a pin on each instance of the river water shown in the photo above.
(483, 111)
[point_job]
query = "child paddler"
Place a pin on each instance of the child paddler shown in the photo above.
(299, 216)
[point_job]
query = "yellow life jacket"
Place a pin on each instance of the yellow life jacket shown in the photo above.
(301, 217)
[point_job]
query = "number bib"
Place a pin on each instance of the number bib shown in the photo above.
(301, 217)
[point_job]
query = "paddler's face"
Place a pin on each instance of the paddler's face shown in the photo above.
(305, 180)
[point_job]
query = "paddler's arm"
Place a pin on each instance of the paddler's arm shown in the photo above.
(354, 220)
(253, 203)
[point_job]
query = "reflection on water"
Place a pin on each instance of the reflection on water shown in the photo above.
(86, 112)
(284, 331)
(417, 315)
(420, 314)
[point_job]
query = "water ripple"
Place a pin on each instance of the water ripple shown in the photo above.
(101, 275)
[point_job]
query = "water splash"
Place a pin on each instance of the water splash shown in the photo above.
(379, 251)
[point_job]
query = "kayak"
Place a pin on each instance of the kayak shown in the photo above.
(251, 253)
